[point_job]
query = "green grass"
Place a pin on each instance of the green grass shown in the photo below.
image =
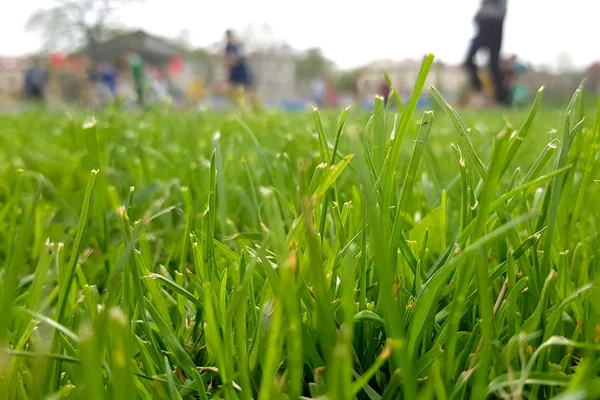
(397, 254)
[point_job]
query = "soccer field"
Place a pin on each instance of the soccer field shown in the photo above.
(395, 254)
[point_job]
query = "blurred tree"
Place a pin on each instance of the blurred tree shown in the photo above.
(345, 80)
(70, 23)
(183, 40)
(311, 64)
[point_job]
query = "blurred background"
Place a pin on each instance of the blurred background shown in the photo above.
(294, 49)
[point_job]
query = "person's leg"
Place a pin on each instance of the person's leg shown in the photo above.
(141, 95)
(253, 98)
(470, 64)
(494, 46)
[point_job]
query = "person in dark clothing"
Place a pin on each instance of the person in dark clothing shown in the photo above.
(35, 82)
(490, 24)
(239, 84)
(239, 72)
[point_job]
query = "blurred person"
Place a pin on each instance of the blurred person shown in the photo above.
(239, 82)
(512, 70)
(237, 65)
(108, 77)
(384, 91)
(331, 97)
(490, 27)
(139, 78)
(103, 77)
(36, 79)
(318, 89)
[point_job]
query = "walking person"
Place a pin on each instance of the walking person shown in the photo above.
(108, 77)
(239, 76)
(490, 24)
(36, 79)
(319, 88)
(239, 83)
(104, 79)
(139, 76)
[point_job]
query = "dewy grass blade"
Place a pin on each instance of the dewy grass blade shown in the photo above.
(379, 137)
(338, 134)
(242, 351)
(35, 292)
(336, 143)
(271, 361)
(323, 146)
(587, 174)
(331, 175)
(179, 352)
(409, 111)
(461, 128)
(556, 187)
(485, 304)
(70, 272)
(464, 184)
(16, 257)
(423, 306)
(91, 366)
(405, 122)
(60, 328)
(407, 187)
(293, 318)
(175, 287)
(68, 276)
(524, 129)
(386, 303)
(120, 356)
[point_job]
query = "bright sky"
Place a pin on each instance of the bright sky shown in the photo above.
(352, 35)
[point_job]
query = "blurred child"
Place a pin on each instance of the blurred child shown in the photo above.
(512, 69)
(239, 82)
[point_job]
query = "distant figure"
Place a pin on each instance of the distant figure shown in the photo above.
(103, 79)
(36, 79)
(239, 82)
(108, 76)
(512, 70)
(239, 72)
(384, 91)
(137, 71)
(490, 23)
(319, 90)
(331, 97)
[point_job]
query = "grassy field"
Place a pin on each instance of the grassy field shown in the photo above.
(389, 255)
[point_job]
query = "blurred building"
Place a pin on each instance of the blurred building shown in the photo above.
(12, 75)
(448, 79)
(558, 87)
(152, 49)
(158, 53)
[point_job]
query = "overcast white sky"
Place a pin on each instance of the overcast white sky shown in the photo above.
(352, 35)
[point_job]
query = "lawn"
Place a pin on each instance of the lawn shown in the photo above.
(401, 253)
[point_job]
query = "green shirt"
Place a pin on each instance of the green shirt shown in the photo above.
(137, 69)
